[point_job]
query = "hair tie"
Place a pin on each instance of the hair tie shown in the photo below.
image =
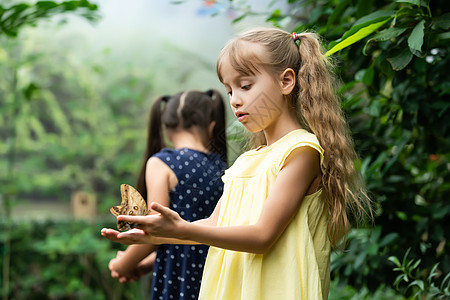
(165, 98)
(210, 93)
(295, 36)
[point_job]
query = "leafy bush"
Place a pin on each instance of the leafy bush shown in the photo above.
(393, 59)
(417, 287)
(62, 260)
(347, 292)
(15, 16)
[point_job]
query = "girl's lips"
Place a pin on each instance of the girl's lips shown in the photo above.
(241, 116)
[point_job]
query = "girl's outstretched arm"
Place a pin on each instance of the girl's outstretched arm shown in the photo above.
(140, 235)
(299, 177)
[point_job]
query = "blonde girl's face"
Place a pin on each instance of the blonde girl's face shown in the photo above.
(256, 100)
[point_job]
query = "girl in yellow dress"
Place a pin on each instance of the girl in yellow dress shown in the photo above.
(286, 202)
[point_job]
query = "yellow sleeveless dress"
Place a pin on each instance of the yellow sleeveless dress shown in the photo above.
(298, 265)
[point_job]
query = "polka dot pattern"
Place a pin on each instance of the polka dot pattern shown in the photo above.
(178, 268)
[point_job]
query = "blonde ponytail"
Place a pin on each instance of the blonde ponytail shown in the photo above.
(320, 109)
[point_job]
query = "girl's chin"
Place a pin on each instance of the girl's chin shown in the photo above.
(252, 128)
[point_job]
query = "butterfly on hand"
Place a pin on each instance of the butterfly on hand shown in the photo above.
(132, 204)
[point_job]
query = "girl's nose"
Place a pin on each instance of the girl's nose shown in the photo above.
(235, 101)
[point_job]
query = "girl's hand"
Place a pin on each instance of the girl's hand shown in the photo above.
(133, 236)
(165, 224)
(153, 229)
(122, 278)
(143, 267)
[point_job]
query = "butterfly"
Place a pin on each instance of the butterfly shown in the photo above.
(132, 204)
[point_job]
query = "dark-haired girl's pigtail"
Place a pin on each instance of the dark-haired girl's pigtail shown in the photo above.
(155, 141)
(219, 138)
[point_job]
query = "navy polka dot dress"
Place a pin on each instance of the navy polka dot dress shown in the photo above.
(178, 268)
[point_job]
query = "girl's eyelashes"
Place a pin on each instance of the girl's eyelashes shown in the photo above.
(244, 87)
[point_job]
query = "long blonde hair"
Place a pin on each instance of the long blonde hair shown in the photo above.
(315, 99)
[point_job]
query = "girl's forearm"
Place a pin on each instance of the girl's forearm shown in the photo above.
(132, 256)
(246, 238)
(169, 227)
(163, 240)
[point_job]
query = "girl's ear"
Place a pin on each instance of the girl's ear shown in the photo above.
(168, 132)
(211, 128)
(287, 81)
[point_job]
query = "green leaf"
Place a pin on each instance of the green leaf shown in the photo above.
(405, 256)
(387, 34)
(399, 279)
(238, 19)
(433, 272)
(446, 281)
(360, 34)
(372, 249)
(368, 76)
(364, 7)
(415, 40)
(315, 14)
(442, 21)
(414, 264)
(365, 21)
(389, 238)
(275, 16)
(29, 90)
(337, 11)
(375, 17)
(419, 283)
(359, 260)
(401, 215)
(414, 2)
(46, 4)
(384, 35)
(374, 109)
(401, 60)
(365, 76)
(444, 36)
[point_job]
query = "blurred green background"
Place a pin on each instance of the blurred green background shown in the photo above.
(77, 79)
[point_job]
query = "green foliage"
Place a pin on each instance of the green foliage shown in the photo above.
(361, 29)
(83, 126)
(13, 97)
(418, 287)
(62, 260)
(365, 252)
(66, 126)
(347, 292)
(69, 122)
(14, 17)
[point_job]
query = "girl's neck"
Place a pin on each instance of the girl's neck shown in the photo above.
(280, 127)
(187, 139)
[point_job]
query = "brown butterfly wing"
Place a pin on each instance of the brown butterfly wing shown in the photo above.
(132, 204)
(115, 210)
(134, 200)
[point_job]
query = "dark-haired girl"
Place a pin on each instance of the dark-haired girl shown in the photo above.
(186, 178)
